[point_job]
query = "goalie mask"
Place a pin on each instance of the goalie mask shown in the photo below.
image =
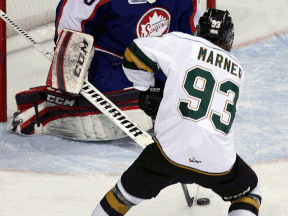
(217, 27)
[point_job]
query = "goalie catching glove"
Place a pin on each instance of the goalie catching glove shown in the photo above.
(149, 101)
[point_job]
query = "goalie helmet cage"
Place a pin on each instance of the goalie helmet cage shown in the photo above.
(29, 15)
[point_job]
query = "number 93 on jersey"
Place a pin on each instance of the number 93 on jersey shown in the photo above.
(209, 98)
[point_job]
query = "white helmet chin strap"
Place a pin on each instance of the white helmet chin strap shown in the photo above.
(151, 1)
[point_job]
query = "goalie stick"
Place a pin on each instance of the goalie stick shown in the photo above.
(94, 96)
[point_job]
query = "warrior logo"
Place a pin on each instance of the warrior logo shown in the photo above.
(155, 22)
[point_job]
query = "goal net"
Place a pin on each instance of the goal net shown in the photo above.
(35, 16)
(30, 14)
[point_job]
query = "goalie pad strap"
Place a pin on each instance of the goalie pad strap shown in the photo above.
(26, 98)
(37, 114)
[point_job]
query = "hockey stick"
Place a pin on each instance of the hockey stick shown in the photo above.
(187, 195)
(101, 102)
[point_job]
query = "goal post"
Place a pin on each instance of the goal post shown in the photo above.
(35, 16)
(3, 63)
(211, 3)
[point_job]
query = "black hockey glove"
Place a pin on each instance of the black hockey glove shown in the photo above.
(150, 100)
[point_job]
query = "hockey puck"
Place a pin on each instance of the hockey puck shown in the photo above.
(203, 201)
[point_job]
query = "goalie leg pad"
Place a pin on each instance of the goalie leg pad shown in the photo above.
(44, 110)
(72, 58)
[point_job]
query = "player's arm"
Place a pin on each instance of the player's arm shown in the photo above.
(139, 68)
(78, 15)
(143, 57)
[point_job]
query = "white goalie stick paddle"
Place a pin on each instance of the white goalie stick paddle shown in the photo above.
(101, 102)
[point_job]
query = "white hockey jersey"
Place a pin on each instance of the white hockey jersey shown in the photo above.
(201, 96)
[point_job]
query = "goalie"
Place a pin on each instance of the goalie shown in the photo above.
(56, 109)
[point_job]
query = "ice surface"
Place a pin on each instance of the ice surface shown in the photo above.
(45, 175)
(34, 194)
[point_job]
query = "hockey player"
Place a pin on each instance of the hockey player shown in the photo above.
(113, 25)
(194, 140)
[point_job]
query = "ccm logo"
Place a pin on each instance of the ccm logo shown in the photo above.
(81, 59)
(60, 101)
(238, 195)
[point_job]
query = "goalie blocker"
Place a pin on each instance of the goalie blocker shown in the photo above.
(71, 60)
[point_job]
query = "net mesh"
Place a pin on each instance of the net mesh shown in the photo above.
(30, 14)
